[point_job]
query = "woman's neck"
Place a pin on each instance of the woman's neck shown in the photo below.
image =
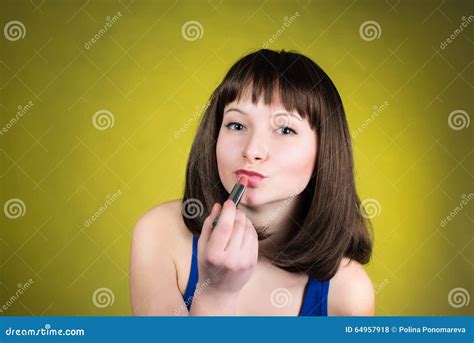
(277, 220)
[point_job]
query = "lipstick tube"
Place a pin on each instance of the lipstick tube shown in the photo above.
(235, 195)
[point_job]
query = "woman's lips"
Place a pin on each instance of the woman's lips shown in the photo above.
(253, 181)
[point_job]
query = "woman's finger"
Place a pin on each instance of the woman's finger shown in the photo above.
(222, 231)
(238, 232)
(207, 226)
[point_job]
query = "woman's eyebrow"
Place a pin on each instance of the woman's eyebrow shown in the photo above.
(235, 109)
(277, 113)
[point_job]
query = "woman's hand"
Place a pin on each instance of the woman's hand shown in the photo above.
(227, 254)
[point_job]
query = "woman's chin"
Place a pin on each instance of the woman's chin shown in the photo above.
(250, 199)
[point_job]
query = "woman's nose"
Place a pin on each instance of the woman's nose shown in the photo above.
(255, 149)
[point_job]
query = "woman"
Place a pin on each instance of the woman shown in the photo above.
(296, 243)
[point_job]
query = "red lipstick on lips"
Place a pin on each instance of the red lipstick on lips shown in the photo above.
(254, 178)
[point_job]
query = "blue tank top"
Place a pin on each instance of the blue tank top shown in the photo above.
(315, 298)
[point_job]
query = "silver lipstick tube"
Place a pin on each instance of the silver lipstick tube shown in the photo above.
(235, 195)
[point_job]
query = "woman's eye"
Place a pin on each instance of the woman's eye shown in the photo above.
(234, 126)
(238, 127)
(288, 130)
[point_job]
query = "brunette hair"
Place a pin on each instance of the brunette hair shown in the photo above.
(332, 224)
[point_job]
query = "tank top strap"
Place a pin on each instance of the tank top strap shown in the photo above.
(315, 299)
(193, 275)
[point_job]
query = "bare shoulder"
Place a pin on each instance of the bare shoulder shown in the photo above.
(157, 240)
(163, 220)
(351, 292)
(162, 227)
(164, 210)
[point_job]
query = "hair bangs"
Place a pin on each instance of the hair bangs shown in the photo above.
(270, 76)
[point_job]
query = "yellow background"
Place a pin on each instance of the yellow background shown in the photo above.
(154, 83)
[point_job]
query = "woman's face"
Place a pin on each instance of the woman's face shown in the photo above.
(269, 140)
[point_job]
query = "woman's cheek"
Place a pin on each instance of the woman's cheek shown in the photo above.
(223, 145)
(219, 154)
(299, 162)
(225, 159)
